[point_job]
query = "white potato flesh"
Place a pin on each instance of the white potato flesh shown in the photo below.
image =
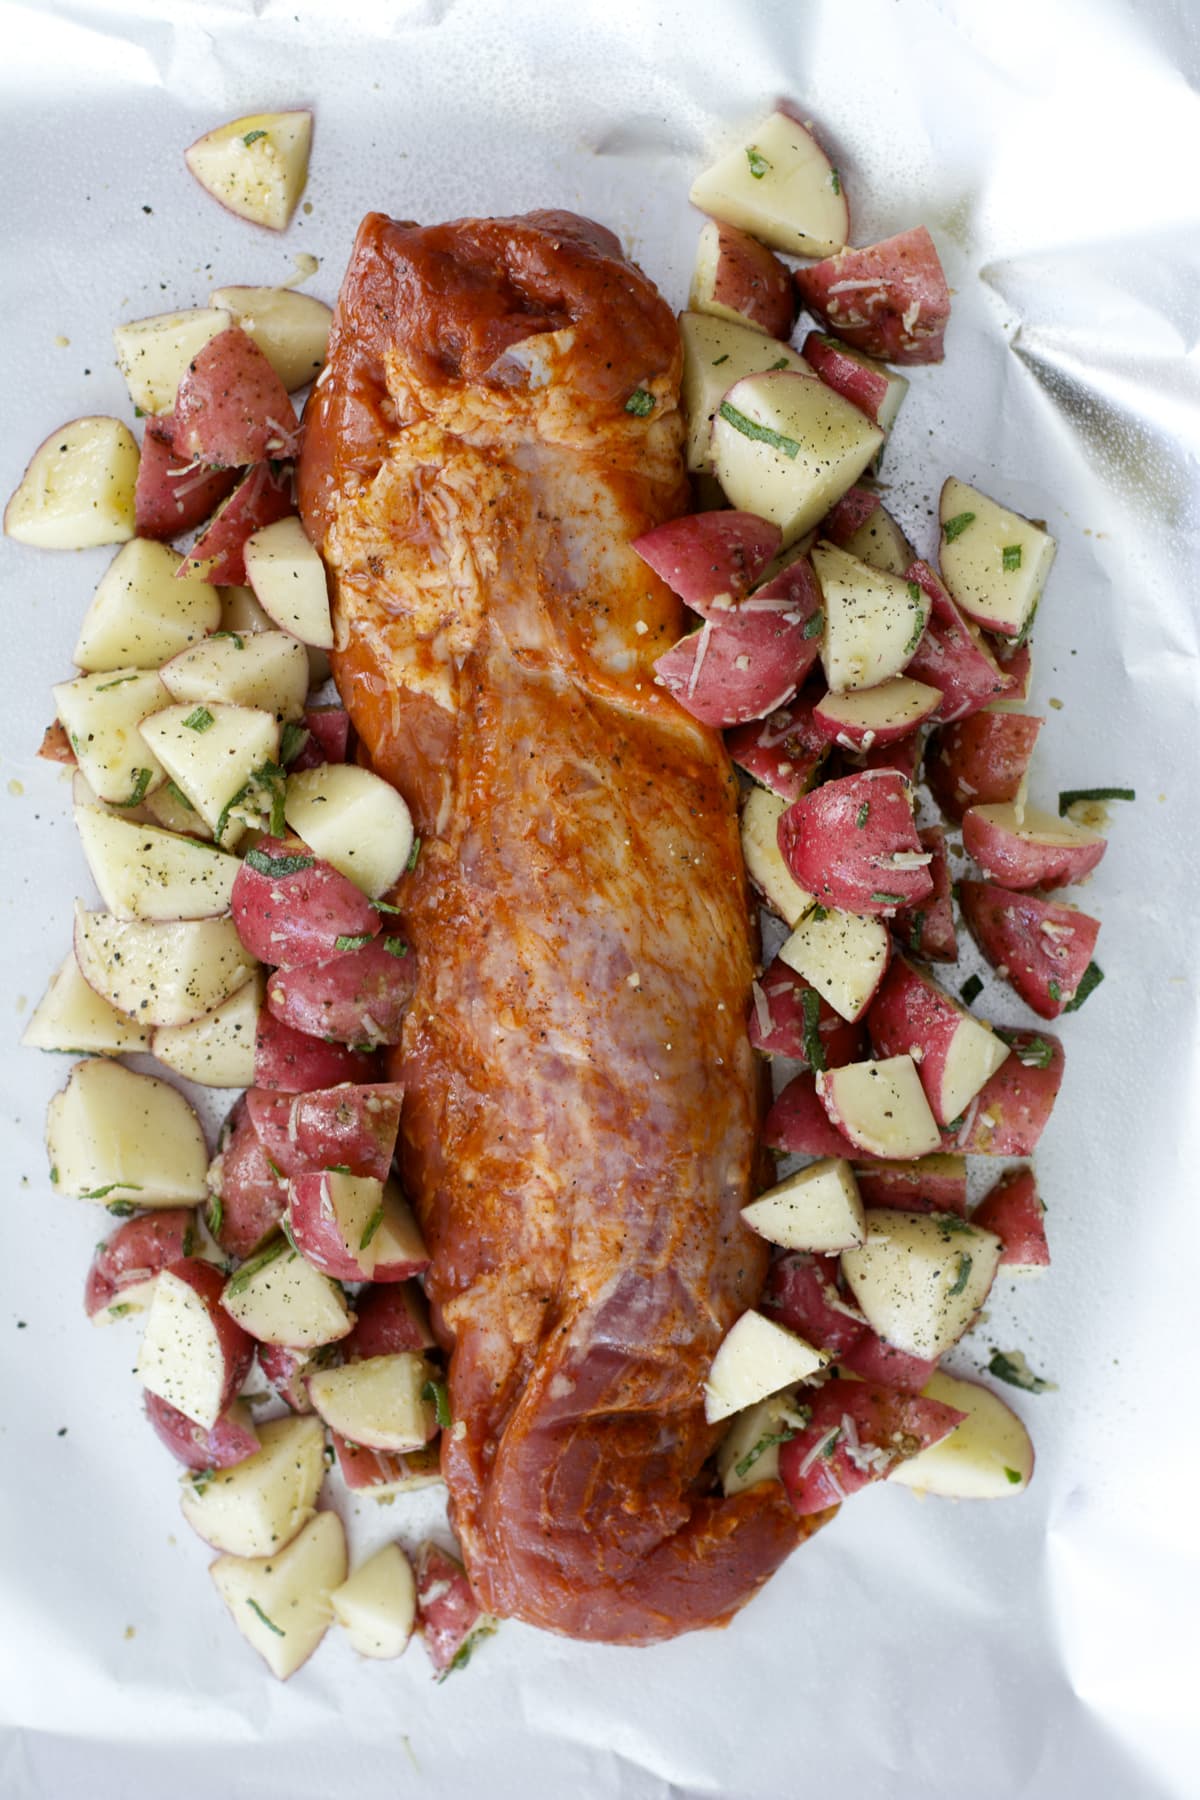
(84, 795)
(288, 578)
(291, 330)
(988, 1457)
(170, 807)
(843, 955)
(873, 621)
(379, 1402)
(102, 716)
(135, 1297)
(377, 1606)
(880, 542)
(181, 1358)
(716, 353)
(280, 1603)
(153, 354)
(141, 614)
(256, 167)
(757, 1357)
(281, 1299)
(353, 819)
(398, 1236)
(78, 490)
(71, 1016)
(353, 1204)
(212, 753)
(161, 973)
(896, 706)
(260, 1504)
(920, 1278)
(1037, 827)
(765, 866)
(779, 185)
(263, 669)
(818, 1209)
(881, 1107)
(787, 447)
(749, 1452)
(216, 1051)
(113, 1135)
(993, 561)
(145, 873)
(241, 612)
(972, 1058)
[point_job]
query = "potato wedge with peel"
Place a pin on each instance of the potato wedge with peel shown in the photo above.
(217, 1050)
(920, 1278)
(281, 1603)
(260, 1505)
(291, 330)
(764, 861)
(353, 819)
(78, 489)
(72, 1017)
(263, 669)
(145, 873)
(213, 753)
(102, 716)
(288, 579)
(988, 1457)
(113, 1135)
(384, 1402)
(716, 353)
(153, 353)
(161, 972)
(756, 1357)
(255, 167)
(779, 185)
(281, 1299)
(141, 614)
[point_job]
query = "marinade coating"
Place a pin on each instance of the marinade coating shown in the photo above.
(496, 422)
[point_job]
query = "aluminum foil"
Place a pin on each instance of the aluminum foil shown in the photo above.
(914, 1651)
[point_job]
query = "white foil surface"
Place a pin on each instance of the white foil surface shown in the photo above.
(914, 1651)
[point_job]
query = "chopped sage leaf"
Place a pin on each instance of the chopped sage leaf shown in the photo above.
(963, 1276)
(758, 162)
(1089, 981)
(252, 137)
(1071, 796)
(292, 742)
(141, 781)
(395, 946)
(1010, 557)
(1010, 1366)
(862, 815)
(640, 403)
(954, 528)
(814, 1049)
(105, 685)
(350, 941)
(177, 793)
(766, 1442)
(411, 864)
(438, 1395)
(815, 626)
(762, 434)
(200, 720)
(835, 181)
(214, 1217)
(1012, 1475)
(371, 1227)
(718, 360)
(882, 899)
(277, 866)
(916, 932)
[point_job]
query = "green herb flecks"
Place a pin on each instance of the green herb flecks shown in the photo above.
(819, 913)
(413, 857)
(241, 1281)
(1072, 796)
(120, 1310)
(761, 434)
(1010, 557)
(718, 360)
(111, 1187)
(971, 989)
(1089, 981)
(177, 794)
(350, 941)
(814, 1049)
(252, 137)
(640, 403)
(963, 1276)
(200, 720)
(201, 1481)
(759, 166)
(1036, 1054)
(1013, 1475)
(1010, 1366)
(438, 1396)
(1022, 638)
(815, 626)
(468, 1649)
(120, 1209)
(1054, 989)
(371, 1227)
(214, 1216)
(395, 946)
(950, 1225)
(384, 906)
(141, 781)
(236, 636)
(882, 899)
(292, 742)
(781, 364)
(954, 528)
(253, 1604)
(119, 681)
(835, 181)
(766, 1442)
(277, 866)
(862, 815)
(916, 932)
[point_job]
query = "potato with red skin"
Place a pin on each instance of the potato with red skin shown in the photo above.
(135, 1253)
(798, 1123)
(250, 1193)
(784, 751)
(853, 510)
(826, 1463)
(1013, 1210)
(294, 1063)
(290, 908)
(955, 1053)
(173, 496)
(710, 559)
(288, 1370)
(1007, 1117)
(889, 299)
(860, 379)
(331, 1236)
(231, 1440)
(928, 931)
(880, 718)
(738, 278)
(351, 1127)
(362, 1469)
(802, 1293)
(862, 526)
(840, 842)
(391, 1318)
(234, 1348)
(980, 760)
(782, 1020)
(1040, 947)
(55, 746)
(953, 655)
(903, 755)
(360, 997)
(934, 1183)
(448, 1614)
(1032, 848)
(328, 740)
(231, 408)
(263, 495)
(874, 1360)
(747, 662)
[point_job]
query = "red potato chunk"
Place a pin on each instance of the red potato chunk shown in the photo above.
(288, 1371)
(955, 1054)
(802, 1293)
(857, 1434)
(328, 740)
(979, 761)
(798, 1123)
(333, 1237)
(889, 299)
(953, 656)
(903, 756)
(172, 495)
(931, 1184)
(1013, 1210)
(233, 1348)
(391, 1319)
(1040, 947)
(449, 1617)
(710, 559)
(738, 278)
(746, 663)
(263, 495)
(231, 1440)
(789, 1018)
(361, 1468)
(134, 1254)
(1030, 848)
(360, 997)
(55, 746)
(295, 1063)
(1007, 1117)
(854, 844)
(881, 718)
(248, 1194)
(784, 751)
(346, 1127)
(873, 1360)
(928, 931)
(851, 513)
(231, 408)
(291, 909)
(859, 379)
